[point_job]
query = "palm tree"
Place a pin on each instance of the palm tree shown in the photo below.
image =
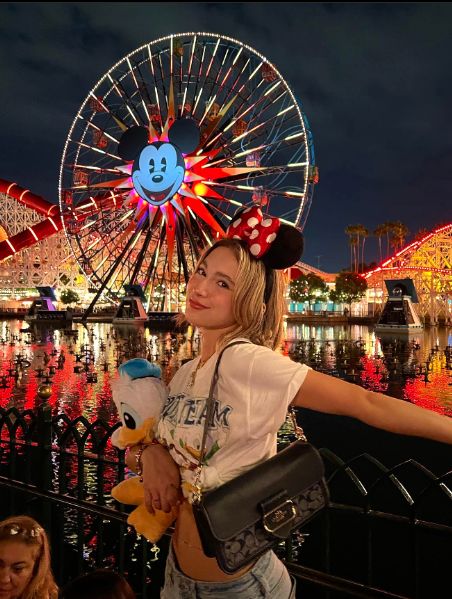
(399, 233)
(363, 233)
(350, 230)
(357, 237)
(379, 232)
(388, 226)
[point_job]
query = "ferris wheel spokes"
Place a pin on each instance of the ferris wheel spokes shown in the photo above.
(253, 150)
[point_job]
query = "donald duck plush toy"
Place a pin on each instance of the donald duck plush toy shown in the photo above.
(139, 395)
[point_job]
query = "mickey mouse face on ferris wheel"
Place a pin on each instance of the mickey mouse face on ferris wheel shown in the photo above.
(159, 168)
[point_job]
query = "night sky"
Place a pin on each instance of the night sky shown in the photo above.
(375, 82)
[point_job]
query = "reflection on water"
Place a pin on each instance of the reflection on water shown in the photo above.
(79, 362)
(415, 367)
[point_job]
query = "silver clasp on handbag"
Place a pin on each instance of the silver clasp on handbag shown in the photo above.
(280, 516)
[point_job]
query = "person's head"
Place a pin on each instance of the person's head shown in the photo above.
(226, 292)
(240, 294)
(100, 584)
(25, 571)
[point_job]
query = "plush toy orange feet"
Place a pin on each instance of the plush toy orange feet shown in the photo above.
(152, 527)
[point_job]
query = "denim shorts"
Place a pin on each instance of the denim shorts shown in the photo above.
(267, 579)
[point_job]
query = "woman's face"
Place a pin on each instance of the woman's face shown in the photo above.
(210, 290)
(17, 561)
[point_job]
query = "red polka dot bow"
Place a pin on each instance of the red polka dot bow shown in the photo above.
(259, 232)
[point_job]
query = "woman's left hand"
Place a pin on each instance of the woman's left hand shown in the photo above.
(161, 479)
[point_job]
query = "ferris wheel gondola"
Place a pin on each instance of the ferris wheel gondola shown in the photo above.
(254, 147)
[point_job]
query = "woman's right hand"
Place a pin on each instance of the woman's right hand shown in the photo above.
(161, 479)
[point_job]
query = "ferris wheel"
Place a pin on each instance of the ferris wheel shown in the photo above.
(167, 146)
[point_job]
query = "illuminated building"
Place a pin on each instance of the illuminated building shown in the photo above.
(46, 262)
(428, 262)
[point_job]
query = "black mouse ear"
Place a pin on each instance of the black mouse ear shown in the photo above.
(132, 142)
(185, 134)
(286, 249)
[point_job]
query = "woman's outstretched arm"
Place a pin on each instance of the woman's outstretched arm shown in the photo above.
(324, 393)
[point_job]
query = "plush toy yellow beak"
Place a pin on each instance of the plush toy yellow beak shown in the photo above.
(132, 436)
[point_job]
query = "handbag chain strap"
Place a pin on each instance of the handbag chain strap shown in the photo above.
(210, 404)
(299, 432)
(209, 413)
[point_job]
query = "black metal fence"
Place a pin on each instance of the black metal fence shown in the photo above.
(387, 532)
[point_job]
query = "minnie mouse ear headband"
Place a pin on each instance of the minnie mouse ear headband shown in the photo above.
(268, 239)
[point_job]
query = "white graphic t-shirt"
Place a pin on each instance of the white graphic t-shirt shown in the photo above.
(255, 387)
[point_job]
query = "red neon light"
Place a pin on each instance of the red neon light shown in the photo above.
(26, 197)
(405, 249)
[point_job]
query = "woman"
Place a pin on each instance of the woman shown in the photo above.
(237, 292)
(25, 571)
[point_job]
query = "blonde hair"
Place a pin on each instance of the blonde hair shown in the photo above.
(259, 321)
(25, 530)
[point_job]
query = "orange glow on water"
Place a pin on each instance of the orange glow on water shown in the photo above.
(373, 373)
(426, 395)
(439, 385)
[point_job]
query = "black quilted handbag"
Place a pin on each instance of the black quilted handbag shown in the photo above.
(247, 516)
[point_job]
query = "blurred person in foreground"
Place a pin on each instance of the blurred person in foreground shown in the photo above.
(25, 571)
(100, 584)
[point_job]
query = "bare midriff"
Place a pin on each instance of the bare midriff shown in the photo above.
(192, 560)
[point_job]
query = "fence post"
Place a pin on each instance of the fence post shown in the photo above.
(44, 453)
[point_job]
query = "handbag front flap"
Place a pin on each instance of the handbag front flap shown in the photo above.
(236, 505)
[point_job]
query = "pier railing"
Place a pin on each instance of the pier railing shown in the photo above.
(387, 532)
